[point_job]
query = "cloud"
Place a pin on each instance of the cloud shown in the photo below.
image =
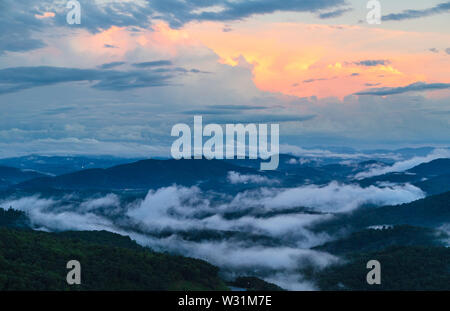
(300, 161)
(291, 281)
(83, 146)
(314, 80)
(171, 207)
(412, 14)
(18, 22)
(446, 229)
(335, 13)
(447, 51)
(100, 15)
(156, 63)
(23, 22)
(178, 208)
(23, 18)
(19, 43)
(323, 153)
(236, 178)
(205, 112)
(109, 201)
(329, 120)
(333, 197)
(405, 165)
(236, 259)
(261, 232)
(22, 78)
(372, 63)
(111, 65)
(237, 107)
(222, 109)
(43, 215)
(180, 12)
(259, 118)
(415, 87)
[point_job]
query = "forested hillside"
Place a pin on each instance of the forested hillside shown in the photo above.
(32, 260)
(402, 268)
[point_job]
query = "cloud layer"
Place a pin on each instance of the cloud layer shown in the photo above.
(404, 165)
(412, 14)
(415, 87)
(262, 232)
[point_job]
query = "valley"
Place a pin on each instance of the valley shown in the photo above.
(302, 227)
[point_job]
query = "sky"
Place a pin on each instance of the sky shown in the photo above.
(116, 83)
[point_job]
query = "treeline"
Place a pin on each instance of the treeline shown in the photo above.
(33, 260)
(416, 268)
(432, 211)
(13, 219)
(411, 258)
(370, 240)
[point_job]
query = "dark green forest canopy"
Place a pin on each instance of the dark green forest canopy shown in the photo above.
(32, 260)
(432, 211)
(412, 256)
(370, 240)
(402, 268)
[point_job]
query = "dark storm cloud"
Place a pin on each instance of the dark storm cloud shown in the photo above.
(411, 14)
(21, 78)
(415, 87)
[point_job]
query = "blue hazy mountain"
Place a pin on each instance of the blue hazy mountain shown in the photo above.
(145, 174)
(57, 165)
(12, 175)
(417, 227)
(432, 177)
(293, 171)
(376, 239)
(432, 211)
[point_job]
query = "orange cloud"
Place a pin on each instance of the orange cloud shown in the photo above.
(319, 60)
(291, 58)
(161, 38)
(45, 15)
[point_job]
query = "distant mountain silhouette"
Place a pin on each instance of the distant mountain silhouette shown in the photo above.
(435, 167)
(432, 211)
(11, 175)
(57, 165)
(145, 174)
(432, 177)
